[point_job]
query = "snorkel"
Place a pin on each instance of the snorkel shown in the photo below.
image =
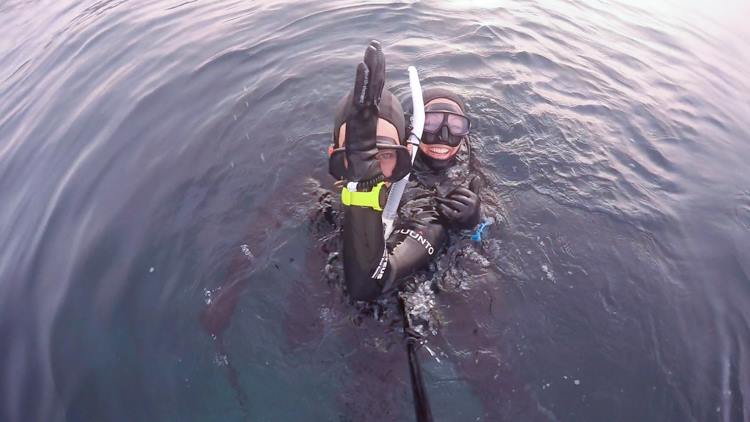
(421, 403)
(397, 190)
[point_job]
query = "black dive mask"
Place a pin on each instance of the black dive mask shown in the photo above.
(444, 126)
(389, 155)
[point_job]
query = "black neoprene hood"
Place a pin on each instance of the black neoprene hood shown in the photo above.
(430, 94)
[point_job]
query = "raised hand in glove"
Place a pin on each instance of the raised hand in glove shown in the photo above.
(362, 123)
(460, 207)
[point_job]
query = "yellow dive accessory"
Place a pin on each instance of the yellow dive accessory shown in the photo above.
(369, 199)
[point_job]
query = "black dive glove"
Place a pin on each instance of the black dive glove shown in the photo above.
(362, 123)
(460, 207)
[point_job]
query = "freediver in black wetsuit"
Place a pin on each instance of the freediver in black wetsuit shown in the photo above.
(368, 137)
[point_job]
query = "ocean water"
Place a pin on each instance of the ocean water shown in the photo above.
(167, 254)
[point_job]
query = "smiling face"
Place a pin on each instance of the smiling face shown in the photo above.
(440, 151)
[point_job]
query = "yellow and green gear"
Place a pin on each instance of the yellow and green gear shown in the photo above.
(370, 199)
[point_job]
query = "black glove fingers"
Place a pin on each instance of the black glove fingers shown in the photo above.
(451, 203)
(464, 199)
(447, 212)
(372, 66)
(362, 122)
(462, 191)
(376, 45)
(360, 85)
(375, 61)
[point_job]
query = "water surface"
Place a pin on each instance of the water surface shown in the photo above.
(143, 143)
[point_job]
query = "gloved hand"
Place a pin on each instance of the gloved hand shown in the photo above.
(460, 207)
(362, 123)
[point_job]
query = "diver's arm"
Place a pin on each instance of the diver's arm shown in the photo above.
(369, 268)
(364, 246)
(412, 245)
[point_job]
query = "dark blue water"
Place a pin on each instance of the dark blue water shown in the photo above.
(143, 143)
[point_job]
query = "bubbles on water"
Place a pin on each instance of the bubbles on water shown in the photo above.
(246, 251)
(461, 264)
(327, 315)
(221, 359)
(332, 272)
(548, 273)
(208, 295)
(419, 305)
(474, 256)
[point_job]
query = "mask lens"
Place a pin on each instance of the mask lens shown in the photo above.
(385, 156)
(387, 160)
(394, 160)
(458, 125)
(432, 121)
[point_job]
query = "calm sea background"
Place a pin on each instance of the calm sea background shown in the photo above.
(146, 147)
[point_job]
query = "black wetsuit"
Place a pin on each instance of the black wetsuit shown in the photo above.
(372, 266)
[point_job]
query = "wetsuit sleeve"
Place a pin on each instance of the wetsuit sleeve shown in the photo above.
(411, 247)
(364, 249)
(370, 266)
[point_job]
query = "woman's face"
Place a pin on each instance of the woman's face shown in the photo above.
(440, 151)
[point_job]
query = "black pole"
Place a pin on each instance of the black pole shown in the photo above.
(421, 403)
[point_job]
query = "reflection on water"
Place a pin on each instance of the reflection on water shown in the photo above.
(146, 147)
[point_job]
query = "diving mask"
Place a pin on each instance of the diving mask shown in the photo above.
(394, 160)
(444, 126)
